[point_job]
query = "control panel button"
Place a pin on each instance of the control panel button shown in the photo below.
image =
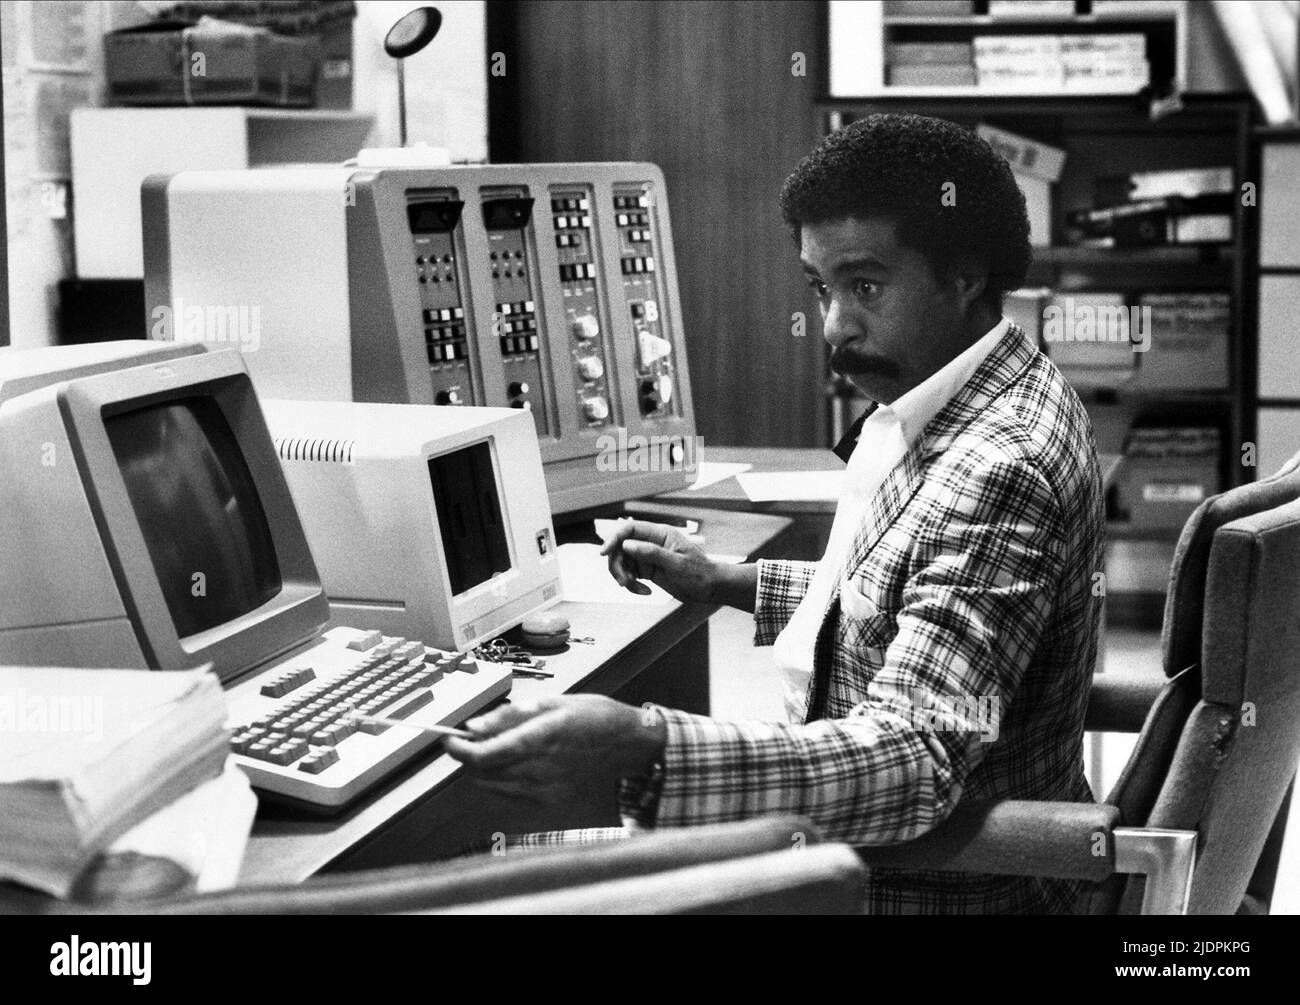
(591, 368)
(451, 397)
(652, 348)
(517, 389)
(664, 388)
(651, 310)
(595, 409)
(586, 326)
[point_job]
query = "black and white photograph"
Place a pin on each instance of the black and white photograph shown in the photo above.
(649, 457)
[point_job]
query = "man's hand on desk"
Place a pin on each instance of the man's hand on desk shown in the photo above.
(551, 751)
(638, 549)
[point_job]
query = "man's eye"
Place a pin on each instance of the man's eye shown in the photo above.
(817, 286)
(865, 289)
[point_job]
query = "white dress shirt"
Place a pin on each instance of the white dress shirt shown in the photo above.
(886, 436)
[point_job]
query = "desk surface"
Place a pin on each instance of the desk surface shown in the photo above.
(727, 494)
(288, 848)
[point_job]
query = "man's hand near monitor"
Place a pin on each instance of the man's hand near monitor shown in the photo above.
(639, 550)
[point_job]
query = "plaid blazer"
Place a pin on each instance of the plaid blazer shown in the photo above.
(954, 659)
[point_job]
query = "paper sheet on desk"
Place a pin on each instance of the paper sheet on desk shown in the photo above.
(585, 579)
(712, 472)
(792, 486)
(204, 832)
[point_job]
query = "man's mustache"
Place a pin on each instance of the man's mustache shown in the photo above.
(850, 359)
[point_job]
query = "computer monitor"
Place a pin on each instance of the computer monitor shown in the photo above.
(148, 522)
(551, 288)
(426, 522)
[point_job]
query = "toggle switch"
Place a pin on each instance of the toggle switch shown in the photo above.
(591, 368)
(586, 327)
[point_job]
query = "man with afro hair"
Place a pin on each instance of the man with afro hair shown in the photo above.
(942, 648)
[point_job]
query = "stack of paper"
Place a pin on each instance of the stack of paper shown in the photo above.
(85, 755)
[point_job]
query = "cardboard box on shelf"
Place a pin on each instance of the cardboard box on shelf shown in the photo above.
(209, 63)
(1024, 307)
(929, 8)
(1189, 341)
(1167, 473)
(1089, 336)
(329, 22)
(931, 75)
(1037, 166)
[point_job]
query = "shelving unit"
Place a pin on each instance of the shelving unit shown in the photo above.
(1113, 136)
(1277, 386)
(861, 33)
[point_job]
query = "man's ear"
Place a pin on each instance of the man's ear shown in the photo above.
(970, 281)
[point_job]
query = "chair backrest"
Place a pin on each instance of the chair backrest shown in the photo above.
(1238, 750)
(1185, 630)
(828, 879)
(1184, 622)
(1242, 743)
(521, 873)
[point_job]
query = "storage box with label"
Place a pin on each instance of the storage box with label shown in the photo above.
(329, 22)
(1089, 336)
(209, 63)
(1189, 341)
(1037, 167)
(1167, 473)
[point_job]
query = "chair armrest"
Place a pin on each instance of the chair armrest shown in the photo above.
(518, 873)
(1119, 702)
(827, 879)
(1012, 837)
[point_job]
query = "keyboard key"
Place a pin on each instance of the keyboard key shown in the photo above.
(368, 640)
(278, 755)
(420, 699)
(318, 760)
(386, 648)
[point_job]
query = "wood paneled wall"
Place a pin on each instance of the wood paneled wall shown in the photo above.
(705, 90)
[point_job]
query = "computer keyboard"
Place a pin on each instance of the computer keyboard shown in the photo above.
(294, 731)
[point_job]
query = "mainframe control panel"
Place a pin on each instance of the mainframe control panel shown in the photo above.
(545, 287)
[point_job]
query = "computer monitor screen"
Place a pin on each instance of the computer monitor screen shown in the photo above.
(198, 508)
(469, 514)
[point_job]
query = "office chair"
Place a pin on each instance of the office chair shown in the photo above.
(771, 866)
(1119, 702)
(1189, 820)
(826, 879)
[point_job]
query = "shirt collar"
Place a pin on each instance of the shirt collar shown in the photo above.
(914, 409)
